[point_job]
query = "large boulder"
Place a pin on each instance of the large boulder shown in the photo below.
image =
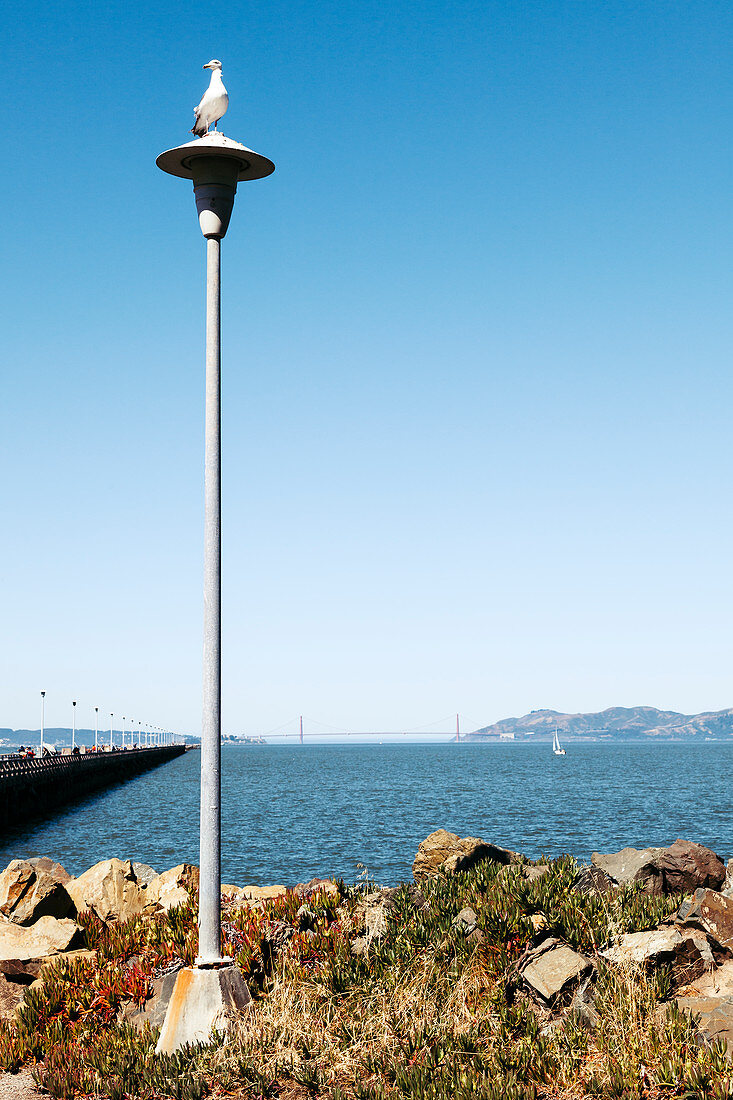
(110, 889)
(33, 888)
(171, 889)
(632, 865)
(445, 853)
(48, 936)
(713, 913)
(685, 866)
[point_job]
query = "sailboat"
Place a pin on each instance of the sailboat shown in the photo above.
(558, 751)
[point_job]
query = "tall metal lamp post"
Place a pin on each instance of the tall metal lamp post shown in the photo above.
(43, 716)
(215, 164)
(73, 725)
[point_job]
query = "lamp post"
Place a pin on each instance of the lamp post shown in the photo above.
(111, 719)
(73, 725)
(43, 715)
(123, 731)
(96, 729)
(215, 164)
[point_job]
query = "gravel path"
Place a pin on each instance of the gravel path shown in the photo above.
(18, 1086)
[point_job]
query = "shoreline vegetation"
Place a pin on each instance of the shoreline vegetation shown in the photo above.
(488, 975)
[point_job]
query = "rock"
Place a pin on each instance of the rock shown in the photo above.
(553, 967)
(727, 888)
(632, 865)
(278, 934)
(532, 872)
(418, 899)
(685, 949)
(48, 936)
(33, 888)
(466, 921)
(712, 912)
(538, 922)
(144, 874)
(110, 890)
(527, 872)
(591, 880)
(710, 999)
(693, 958)
(306, 919)
(26, 971)
(251, 895)
(685, 866)
(316, 886)
(19, 971)
(170, 890)
(583, 1004)
(641, 948)
(446, 853)
(371, 915)
(11, 996)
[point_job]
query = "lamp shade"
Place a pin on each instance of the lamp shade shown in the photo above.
(216, 164)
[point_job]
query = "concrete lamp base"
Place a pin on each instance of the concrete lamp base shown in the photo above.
(203, 1000)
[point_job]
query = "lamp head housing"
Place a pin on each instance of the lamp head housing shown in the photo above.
(216, 164)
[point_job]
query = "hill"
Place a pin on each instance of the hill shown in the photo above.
(614, 724)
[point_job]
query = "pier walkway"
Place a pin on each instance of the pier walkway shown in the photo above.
(33, 787)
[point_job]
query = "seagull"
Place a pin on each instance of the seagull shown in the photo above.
(214, 103)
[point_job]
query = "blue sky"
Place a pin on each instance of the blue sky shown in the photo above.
(477, 348)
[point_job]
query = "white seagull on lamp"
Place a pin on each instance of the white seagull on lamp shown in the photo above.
(214, 103)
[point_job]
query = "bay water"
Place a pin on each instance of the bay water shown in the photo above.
(292, 812)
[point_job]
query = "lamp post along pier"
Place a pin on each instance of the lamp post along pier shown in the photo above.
(215, 164)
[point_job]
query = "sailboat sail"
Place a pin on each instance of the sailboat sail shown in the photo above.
(558, 751)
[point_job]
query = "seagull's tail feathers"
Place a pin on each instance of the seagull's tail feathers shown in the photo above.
(198, 128)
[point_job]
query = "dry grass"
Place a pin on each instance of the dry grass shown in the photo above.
(300, 1023)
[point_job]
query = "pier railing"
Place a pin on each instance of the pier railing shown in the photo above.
(13, 762)
(34, 786)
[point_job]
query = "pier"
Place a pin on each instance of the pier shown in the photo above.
(30, 788)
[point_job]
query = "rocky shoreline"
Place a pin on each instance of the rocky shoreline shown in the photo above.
(554, 944)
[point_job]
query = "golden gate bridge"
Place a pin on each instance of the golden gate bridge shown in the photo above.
(300, 728)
